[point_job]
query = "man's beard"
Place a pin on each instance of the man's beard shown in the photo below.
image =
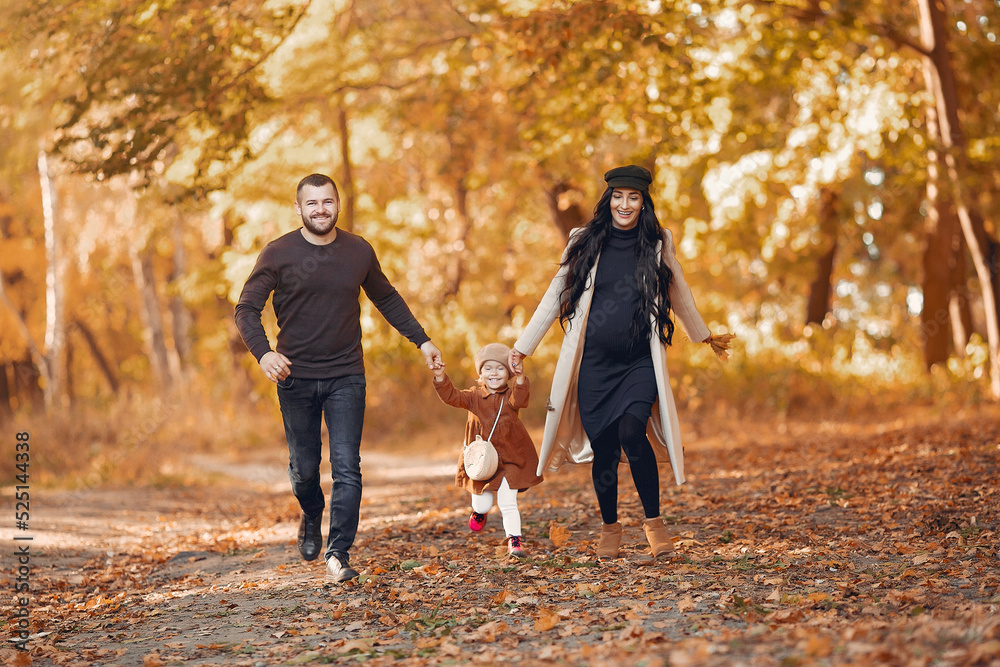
(321, 227)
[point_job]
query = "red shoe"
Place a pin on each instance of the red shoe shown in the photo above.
(514, 546)
(476, 522)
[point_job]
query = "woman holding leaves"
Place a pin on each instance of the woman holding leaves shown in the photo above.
(611, 386)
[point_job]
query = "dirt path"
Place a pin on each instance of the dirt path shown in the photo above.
(831, 546)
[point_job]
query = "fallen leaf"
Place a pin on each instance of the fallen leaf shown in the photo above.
(559, 534)
(488, 632)
(361, 645)
(685, 604)
(819, 646)
(546, 619)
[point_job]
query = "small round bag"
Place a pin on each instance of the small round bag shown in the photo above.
(480, 456)
(480, 459)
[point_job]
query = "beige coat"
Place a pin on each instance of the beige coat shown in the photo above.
(564, 437)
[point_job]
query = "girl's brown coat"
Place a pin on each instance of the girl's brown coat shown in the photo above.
(518, 459)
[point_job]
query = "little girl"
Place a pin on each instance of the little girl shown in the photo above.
(517, 457)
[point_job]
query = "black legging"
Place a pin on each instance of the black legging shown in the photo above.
(628, 434)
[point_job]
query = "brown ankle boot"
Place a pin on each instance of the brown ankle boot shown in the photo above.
(656, 535)
(611, 537)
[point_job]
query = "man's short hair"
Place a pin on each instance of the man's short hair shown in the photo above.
(316, 181)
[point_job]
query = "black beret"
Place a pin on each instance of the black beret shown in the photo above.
(629, 176)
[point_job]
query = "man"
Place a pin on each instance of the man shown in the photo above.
(317, 273)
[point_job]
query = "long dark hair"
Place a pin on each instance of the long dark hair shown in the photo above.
(651, 277)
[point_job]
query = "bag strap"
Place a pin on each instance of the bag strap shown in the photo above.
(497, 420)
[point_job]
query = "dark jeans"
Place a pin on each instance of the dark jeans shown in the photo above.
(341, 401)
(628, 434)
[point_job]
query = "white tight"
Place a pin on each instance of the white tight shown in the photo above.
(506, 501)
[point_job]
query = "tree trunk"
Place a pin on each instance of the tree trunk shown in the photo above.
(457, 259)
(144, 279)
(55, 309)
(347, 187)
(6, 408)
(70, 385)
(39, 360)
(179, 315)
(565, 214)
(243, 378)
(152, 321)
(959, 310)
(941, 235)
(991, 252)
(26, 384)
(106, 368)
(940, 78)
(829, 226)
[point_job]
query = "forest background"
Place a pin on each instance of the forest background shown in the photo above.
(829, 170)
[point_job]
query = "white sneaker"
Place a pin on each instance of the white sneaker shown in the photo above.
(339, 570)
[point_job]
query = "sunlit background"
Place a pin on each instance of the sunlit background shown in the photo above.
(829, 170)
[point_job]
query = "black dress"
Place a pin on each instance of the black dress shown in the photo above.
(616, 372)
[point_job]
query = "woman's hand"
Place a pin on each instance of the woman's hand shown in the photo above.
(514, 361)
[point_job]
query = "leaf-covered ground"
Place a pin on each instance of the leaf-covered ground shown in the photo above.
(827, 545)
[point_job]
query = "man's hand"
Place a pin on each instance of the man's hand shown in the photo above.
(432, 356)
(276, 366)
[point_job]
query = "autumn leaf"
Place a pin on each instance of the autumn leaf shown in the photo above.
(819, 646)
(720, 344)
(488, 632)
(356, 645)
(559, 534)
(449, 648)
(546, 619)
(500, 596)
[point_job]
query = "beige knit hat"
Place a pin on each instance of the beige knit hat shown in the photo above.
(493, 352)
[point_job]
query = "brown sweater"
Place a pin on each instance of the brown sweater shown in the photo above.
(518, 458)
(316, 300)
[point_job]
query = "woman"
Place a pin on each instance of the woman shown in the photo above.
(611, 376)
